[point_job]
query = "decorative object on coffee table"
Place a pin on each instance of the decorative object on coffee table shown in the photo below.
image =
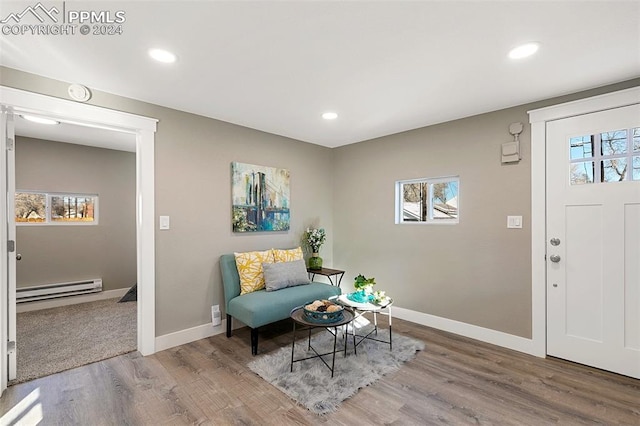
(314, 238)
(364, 289)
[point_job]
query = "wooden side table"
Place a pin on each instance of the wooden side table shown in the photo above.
(329, 273)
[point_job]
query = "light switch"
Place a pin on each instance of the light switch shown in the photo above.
(164, 222)
(514, 221)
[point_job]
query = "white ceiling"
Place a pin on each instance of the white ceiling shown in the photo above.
(76, 134)
(383, 66)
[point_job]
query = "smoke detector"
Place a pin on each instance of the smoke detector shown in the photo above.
(79, 93)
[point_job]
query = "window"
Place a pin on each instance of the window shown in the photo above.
(55, 208)
(430, 200)
(611, 156)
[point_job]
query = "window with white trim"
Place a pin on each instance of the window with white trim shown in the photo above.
(47, 208)
(428, 200)
(612, 156)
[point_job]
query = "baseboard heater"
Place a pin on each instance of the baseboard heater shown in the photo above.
(52, 291)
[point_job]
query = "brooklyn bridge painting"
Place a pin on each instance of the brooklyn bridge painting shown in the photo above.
(260, 198)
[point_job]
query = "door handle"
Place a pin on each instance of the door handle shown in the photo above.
(555, 258)
(18, 256)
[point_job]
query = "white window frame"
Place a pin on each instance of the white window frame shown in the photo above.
(49, 221)
(399, 201)
(597, 157)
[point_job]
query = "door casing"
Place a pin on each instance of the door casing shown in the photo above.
(538, 119)
(144, 128)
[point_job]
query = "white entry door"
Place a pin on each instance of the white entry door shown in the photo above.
(593, 239)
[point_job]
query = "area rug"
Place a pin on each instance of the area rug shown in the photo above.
(311, 384)
(58, 339)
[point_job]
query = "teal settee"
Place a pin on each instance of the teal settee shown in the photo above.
(264, 307)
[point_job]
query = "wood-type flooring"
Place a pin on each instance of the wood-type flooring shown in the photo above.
(455, 381)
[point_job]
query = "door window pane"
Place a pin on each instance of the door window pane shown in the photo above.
(582, 173)
(636, 139)
(614, 143)
(614, 170)
(636, 168)
(581, 147)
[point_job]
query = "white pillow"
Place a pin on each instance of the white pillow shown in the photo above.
(285, 274)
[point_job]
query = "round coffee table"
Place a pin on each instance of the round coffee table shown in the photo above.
(359, 309)
(297, 315)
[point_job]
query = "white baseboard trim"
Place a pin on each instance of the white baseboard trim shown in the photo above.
(486, 335)
(482, 334)
(189, 335)
(70, 300)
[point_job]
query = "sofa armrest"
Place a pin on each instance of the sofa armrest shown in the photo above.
(230, 278)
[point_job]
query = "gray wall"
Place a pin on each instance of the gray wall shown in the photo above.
(53, 254)
(477, 272)
(193, 156)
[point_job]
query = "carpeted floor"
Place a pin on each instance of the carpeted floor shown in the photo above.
(58, 339)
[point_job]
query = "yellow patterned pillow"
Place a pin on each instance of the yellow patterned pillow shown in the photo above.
(287, 255)
(249, 266)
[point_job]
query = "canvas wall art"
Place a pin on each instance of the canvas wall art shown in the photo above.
(260, 198)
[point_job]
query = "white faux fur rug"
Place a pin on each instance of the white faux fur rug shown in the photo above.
(311, 384)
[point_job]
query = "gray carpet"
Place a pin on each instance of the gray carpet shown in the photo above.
(58, 339)
(311, 384)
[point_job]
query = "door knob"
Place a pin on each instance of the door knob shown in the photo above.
(18, 256)
(555, 258)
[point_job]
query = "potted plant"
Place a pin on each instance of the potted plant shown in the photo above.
(364, 289)
(314, 238)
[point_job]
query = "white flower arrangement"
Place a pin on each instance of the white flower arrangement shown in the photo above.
(315, 238)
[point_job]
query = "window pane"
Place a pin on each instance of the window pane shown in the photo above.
(614, 143)
(581, 147)
(413, 205)
(636, 139)
(614, 170)
(30, 207)
(445, 200)
(582, 173)
(72, 209)
(636, 168)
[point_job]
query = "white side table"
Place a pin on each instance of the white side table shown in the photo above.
(359, 309)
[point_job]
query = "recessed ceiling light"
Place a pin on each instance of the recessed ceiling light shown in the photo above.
(39, 120)
(162, 55)
(524, 50)
(329, 115)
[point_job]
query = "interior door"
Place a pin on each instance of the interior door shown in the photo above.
(7, 251)
(593, 239)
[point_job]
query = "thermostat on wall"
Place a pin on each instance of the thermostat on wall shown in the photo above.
(79, 93)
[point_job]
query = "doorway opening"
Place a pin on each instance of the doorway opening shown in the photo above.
(143, 129)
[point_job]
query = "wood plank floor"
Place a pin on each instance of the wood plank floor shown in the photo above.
(455, 381)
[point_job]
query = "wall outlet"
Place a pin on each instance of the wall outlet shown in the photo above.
(216, 316)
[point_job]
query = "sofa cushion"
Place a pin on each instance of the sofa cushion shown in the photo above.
(285, 274)
(287, 255)
(250, 270)
(264, 307)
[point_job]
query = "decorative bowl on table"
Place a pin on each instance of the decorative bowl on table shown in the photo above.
(323, 312)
